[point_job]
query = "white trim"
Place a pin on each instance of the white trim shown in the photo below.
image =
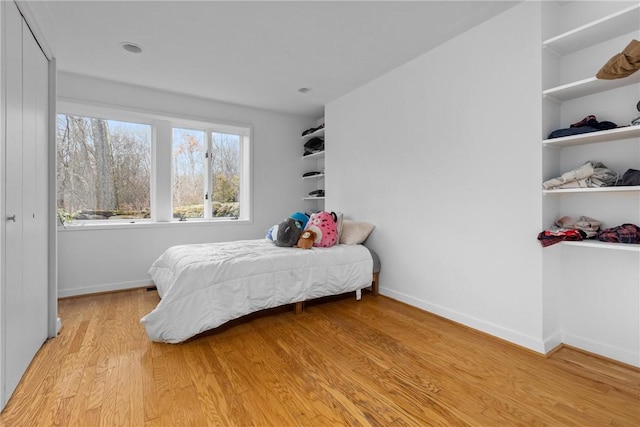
(3, 145)
(605, 350)
(190, 222)
(27, 14)
(552, 342)
(126, 113)
(53, 321)
(512, 336)
(104, 287)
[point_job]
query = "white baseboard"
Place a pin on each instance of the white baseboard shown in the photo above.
(552, 342)
(105, 287)
(539, 346)
(514, 337)
(615, 353)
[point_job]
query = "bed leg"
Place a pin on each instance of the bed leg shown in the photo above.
(298, 308)
(358, 294)
(374, 285)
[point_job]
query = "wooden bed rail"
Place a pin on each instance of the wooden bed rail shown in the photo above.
(299, 306)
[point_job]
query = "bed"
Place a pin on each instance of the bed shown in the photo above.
(203, 286)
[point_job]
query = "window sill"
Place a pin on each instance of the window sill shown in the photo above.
(103, 225)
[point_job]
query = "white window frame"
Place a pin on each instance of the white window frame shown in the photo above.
(161, 159)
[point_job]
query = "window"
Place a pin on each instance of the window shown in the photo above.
(188, 173)
(138, 167)
(206, 174)
(103, 169)
(225, 175)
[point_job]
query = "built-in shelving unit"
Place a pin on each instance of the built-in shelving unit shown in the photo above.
(317, 160)
(590, 36)
(590, 287)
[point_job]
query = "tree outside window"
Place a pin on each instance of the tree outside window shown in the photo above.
(103, 169)
(225, 175)
(205, 171)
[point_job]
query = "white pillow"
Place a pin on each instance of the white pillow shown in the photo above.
(340, 219)
(355, 232)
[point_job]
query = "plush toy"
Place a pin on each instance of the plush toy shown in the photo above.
(306, 239)
(301, 217)
(288, 233)
(325, 225)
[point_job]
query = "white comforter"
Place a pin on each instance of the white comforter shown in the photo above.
(203, 286)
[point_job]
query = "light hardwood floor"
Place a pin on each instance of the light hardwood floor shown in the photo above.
(375, 362)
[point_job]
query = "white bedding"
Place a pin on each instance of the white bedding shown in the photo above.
(203, 286)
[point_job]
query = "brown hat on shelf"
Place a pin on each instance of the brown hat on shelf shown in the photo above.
(622, 64)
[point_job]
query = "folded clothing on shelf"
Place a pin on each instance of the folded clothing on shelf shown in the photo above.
(312, 130)
(548, 238)
(567, 228)
(630, 177)
(586, 125)
(314, 145)
(625, 233)
(589, 175)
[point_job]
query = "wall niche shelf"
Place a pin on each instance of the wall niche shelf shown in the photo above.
(314, 162)
(630, 188)
(318, 155)
(630, 247)
(605, 28)
(628, 132)
(320, 175)
(588, 86)
(316, 134)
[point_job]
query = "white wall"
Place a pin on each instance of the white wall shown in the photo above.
(118, 258)
(443, 155)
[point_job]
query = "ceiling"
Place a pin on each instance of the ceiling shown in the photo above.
(253, 53)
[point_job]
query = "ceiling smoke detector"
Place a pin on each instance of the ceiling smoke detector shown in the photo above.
(131, 47)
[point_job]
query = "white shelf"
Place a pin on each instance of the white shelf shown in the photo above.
(313, 198)
(630, 188)
(317, 134)
(606, 28)
(316, 156)
(604, 245)
(320, 175)
(588, 86)
(594, 137)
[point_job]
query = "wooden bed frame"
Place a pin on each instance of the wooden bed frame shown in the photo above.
(299, 306)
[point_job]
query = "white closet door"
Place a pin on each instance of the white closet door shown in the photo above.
(14, 361)
(34, 194)
(25, 291)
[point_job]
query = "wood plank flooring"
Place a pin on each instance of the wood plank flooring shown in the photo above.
(376, 362)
